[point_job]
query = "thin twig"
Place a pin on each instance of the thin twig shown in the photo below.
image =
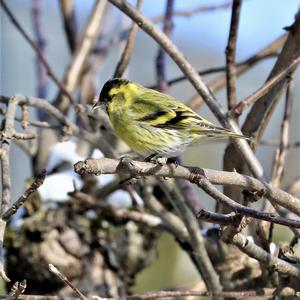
(217, 218)
(281, 151)
(62, 277)
(38, 181)
(68, 126)
(265, 88)
(83, 49)
(68, 14)
(41, 74)
(117, 212)
(262, 110)
(161, 74)
(217, 84)
(231, 54)
(245, 63)
(200, 255)
(195, 10)
(126, 54)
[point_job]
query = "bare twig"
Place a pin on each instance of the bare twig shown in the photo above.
(17, 290)
(38, 181)
(231, 54)
(126, 54)
(220, 81)
(281, 151)
(200, 255)
(25, 117)
(195, 10)
(41, 74)
(83, 49)
(275, 195)
(70, 127)
(218, 218)
(245, 63)
(68, 14)
(238, 208)
(6, 137)
(261, 112)
(161, 76)
(276, 143)
(264, 89)
(118, 212)
(261, 255)
(61, 276)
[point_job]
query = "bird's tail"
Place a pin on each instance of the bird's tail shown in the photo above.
(217, 132)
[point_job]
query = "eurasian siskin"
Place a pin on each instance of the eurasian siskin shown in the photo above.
(153, 123)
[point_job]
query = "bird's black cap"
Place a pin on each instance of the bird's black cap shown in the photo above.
(112, 83)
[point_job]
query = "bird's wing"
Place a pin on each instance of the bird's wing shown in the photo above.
(162, 111)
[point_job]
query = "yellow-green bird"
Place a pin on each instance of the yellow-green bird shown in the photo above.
(152, 123)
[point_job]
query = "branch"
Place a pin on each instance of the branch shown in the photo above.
(112, 166)
(68, 126)
(261, 293)
(83, 49)
(231, 54)
(281, 151)
(276, 264)
(62, 277)
(68, 14)
(126, 54)
(118, 212)
(38, 181)
(7, 133)
(218, 83)
(265, 88)
(191, 12)
(194, 78)
(197, 242)
(41, 74)
(262, 110)
(248, 63)
(161, 76)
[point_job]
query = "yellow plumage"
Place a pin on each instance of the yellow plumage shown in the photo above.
(153, 123)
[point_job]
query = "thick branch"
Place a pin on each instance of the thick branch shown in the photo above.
(112, 166)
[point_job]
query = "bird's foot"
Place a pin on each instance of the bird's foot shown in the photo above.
(155, 159)
(197, 174)
(173, 161)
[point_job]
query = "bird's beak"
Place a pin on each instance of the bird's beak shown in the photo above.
(97, 103)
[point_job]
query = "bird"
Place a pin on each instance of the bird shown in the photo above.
(152, 123)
